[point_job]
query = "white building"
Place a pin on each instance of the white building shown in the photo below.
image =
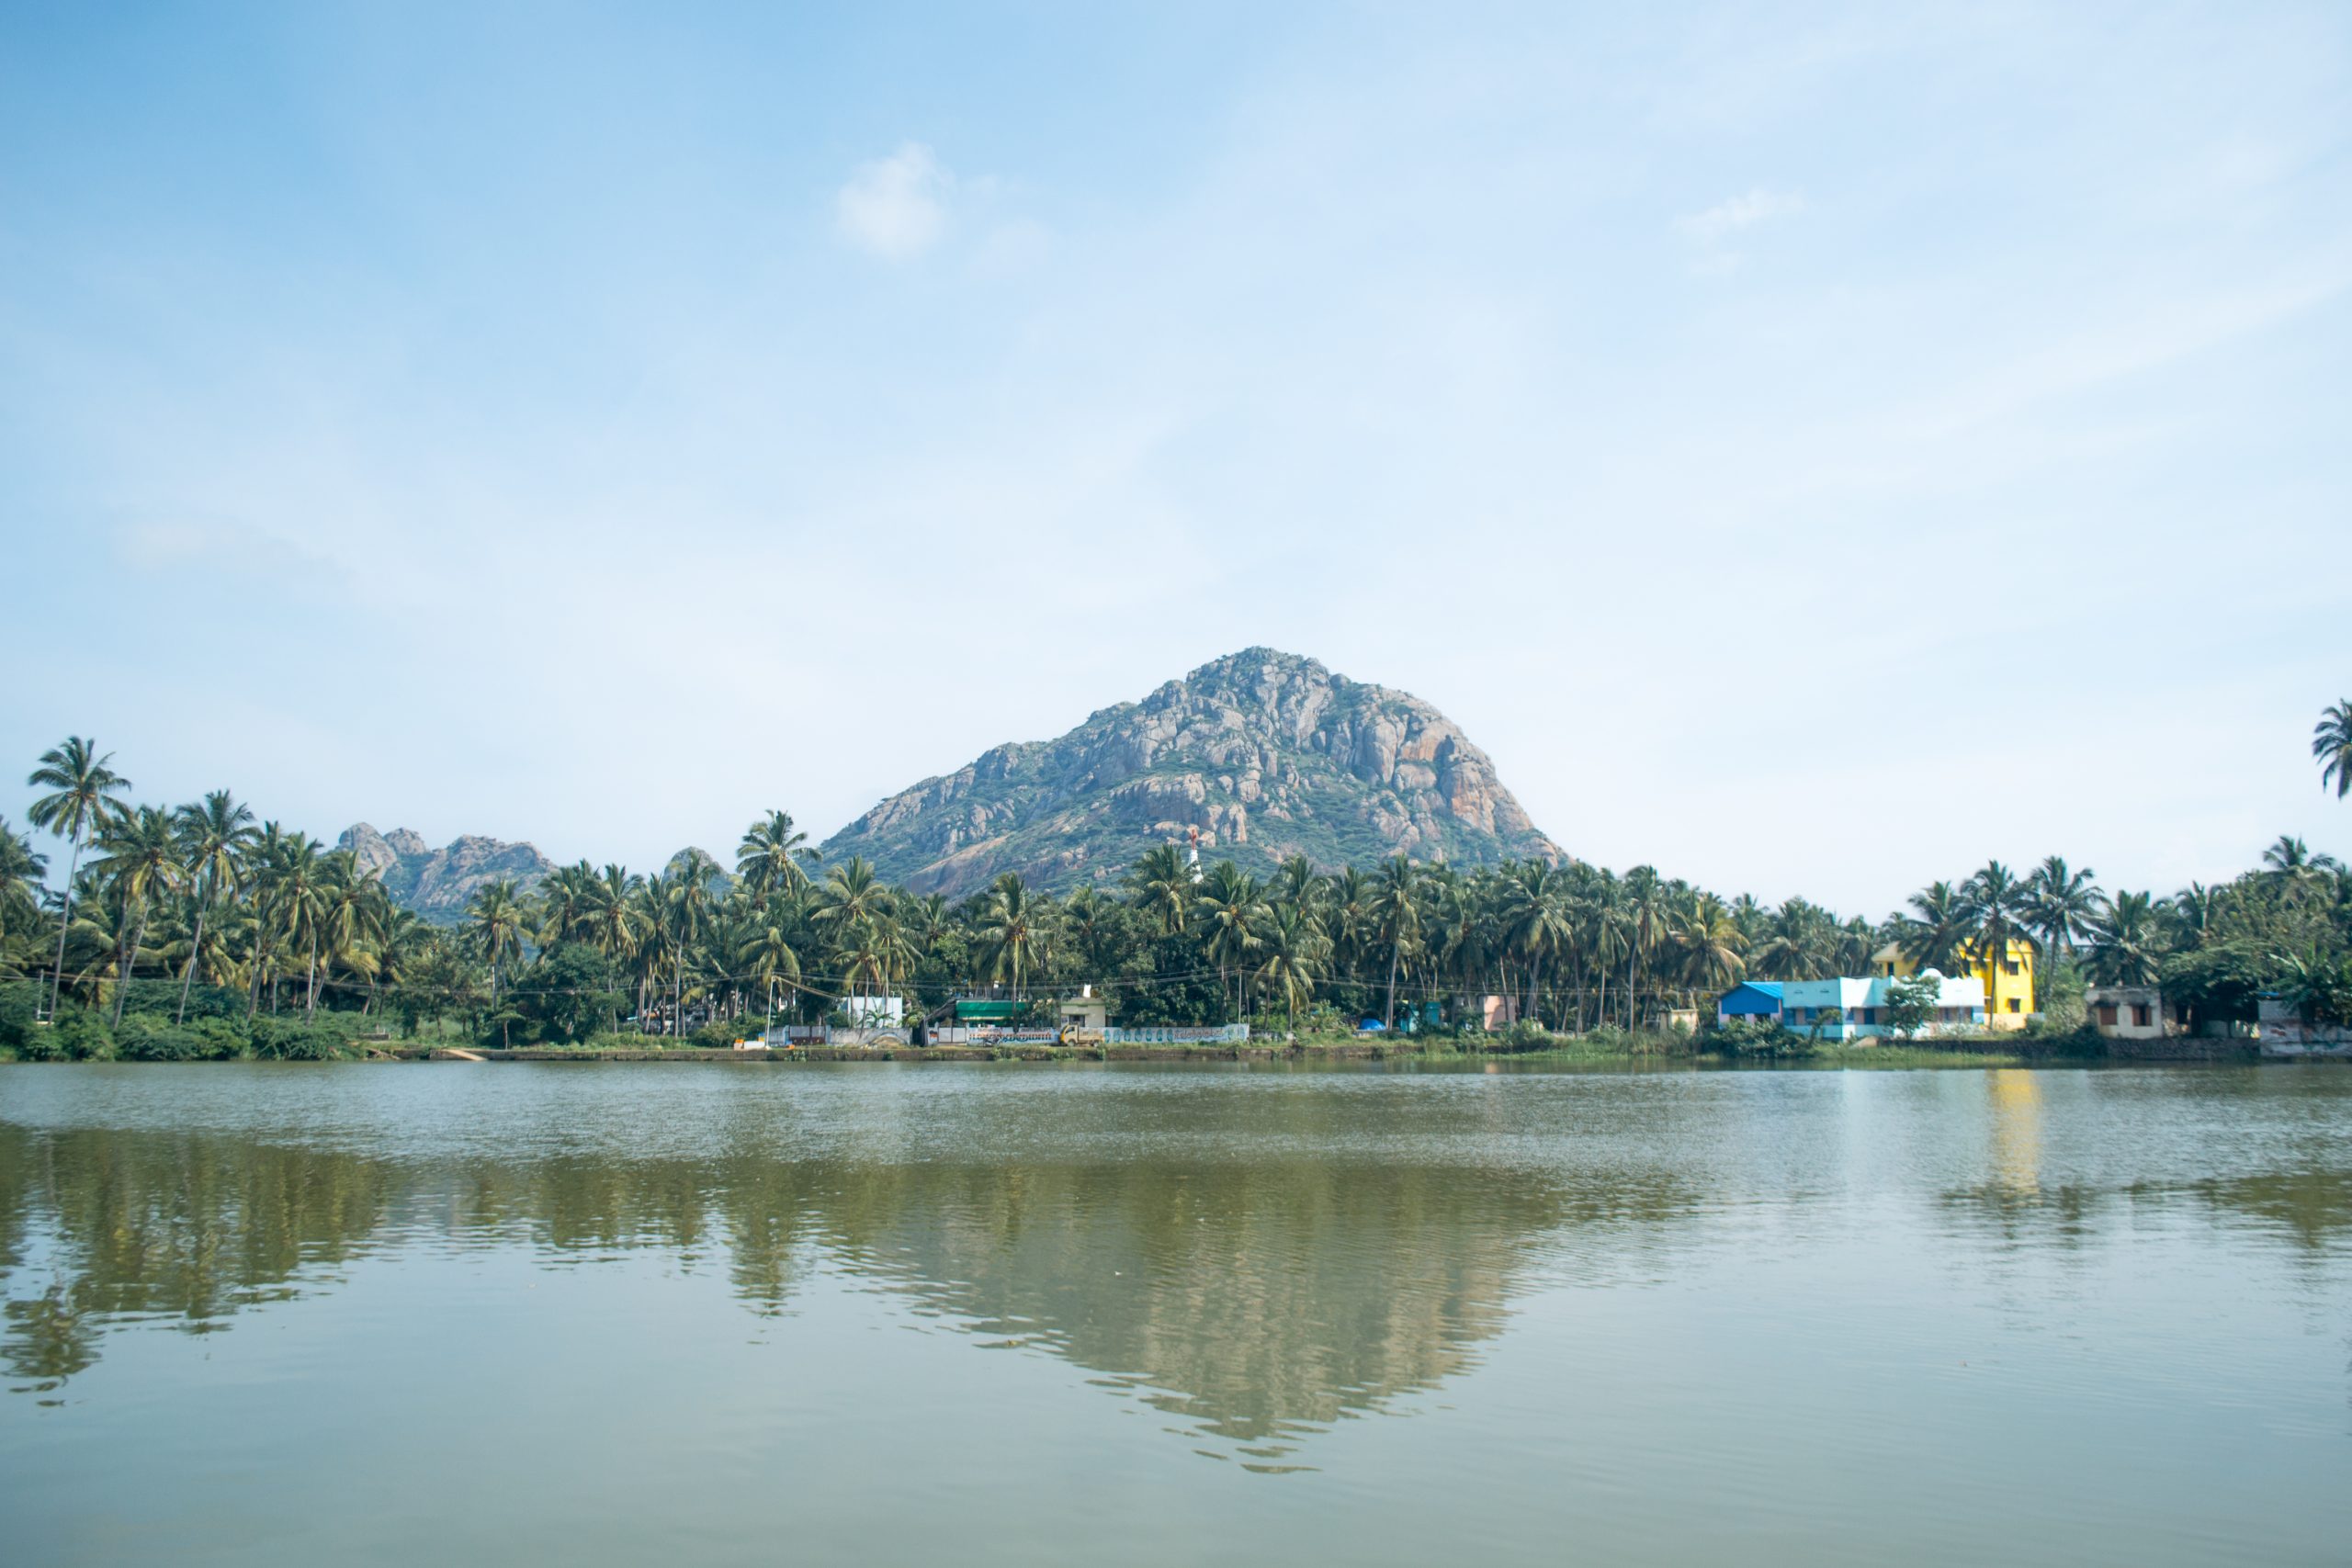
(1863, 1006)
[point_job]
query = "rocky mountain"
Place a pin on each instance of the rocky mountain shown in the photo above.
(1268, 754)
(436, 883)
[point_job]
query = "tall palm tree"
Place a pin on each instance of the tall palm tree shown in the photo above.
(215, 833)
(772, 858)
(81, 782)
(1162, 885)
(1294, 945)
(495, 918)
(2332, 748)
(142, 861)
(1709, 942)
(768, 956)
(1231, 903)
(1535, 912)
(2063, 903)
(2127, 940)
(1396, 918)
(20, 874)
(1011, 925)
(2292, 859)
(1996, 909)
(1936, 930)
(1647, 907)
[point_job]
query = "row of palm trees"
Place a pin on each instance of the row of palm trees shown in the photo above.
(206, 894)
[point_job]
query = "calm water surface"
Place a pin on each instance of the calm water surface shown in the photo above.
(619, 1314)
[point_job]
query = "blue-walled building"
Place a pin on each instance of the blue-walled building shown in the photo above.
(1750, 999)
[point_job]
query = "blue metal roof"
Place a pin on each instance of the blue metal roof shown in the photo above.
(1769, 988)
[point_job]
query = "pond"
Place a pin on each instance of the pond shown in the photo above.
(614, 1313)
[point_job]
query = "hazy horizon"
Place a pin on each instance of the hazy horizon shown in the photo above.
(1812, 450)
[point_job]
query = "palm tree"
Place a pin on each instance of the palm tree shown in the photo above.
(1710, 941)
(771, 857)
(2062, 903)
(768, 954)
(20, 873)
(1646, 910)
(1294, 945)
(1937, 929)
(495, 918)
(1232, 904)
(1395, 917)
(1995, 909)
(215, 835)
(1010, 924)
(1162, 886)
(2292, 859)
(80, 780)
(2128, 940)
(142, 858)
(2332, 748)
(1535, 916)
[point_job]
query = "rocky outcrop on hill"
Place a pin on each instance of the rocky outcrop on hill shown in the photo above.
(1268, 754)
(436, 883)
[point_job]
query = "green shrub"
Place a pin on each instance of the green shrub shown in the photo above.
(291, 1040)
(81, 1035)
(150, 1037)
(1525, 1035)
(1756, 1037)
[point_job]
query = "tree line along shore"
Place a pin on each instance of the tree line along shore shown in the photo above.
(200, 931)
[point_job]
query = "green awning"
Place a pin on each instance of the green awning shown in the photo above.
(985, 1012)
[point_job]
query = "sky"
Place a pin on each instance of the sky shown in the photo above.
(1813, 450)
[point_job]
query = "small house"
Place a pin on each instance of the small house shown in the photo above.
(1084, 1011)
(2126, 1012)
(1750, 999)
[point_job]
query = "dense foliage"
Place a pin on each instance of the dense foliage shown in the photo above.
(198, 931)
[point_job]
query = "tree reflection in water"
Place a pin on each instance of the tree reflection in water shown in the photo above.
(1255, 1302)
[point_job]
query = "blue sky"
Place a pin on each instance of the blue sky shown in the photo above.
(1814, 449)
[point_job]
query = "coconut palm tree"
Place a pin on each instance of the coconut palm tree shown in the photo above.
(80, 783)
(1536, 924)
(1932, 935)
(772, 858)
(2063, 904)
(1395, 919)
(1294, 945)
(1647, 909)
(20, 874)
(216, 834)
(2332, 748)
(1995, 909)
(142, 861)
(1012, 926)
(495, 919)
(1709, 941)
(2128, 940)
(1162, 885)
(768, 956)
(2292, 860)
(1232, 904)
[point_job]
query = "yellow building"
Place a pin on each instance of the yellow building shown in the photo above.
(2008, 994)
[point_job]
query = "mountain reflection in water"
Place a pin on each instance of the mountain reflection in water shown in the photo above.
(1257, 1301)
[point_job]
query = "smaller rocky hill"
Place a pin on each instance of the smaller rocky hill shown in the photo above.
(436, 883)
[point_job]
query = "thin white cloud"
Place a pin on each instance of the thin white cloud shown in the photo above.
(1726, 219)
(896, 207)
